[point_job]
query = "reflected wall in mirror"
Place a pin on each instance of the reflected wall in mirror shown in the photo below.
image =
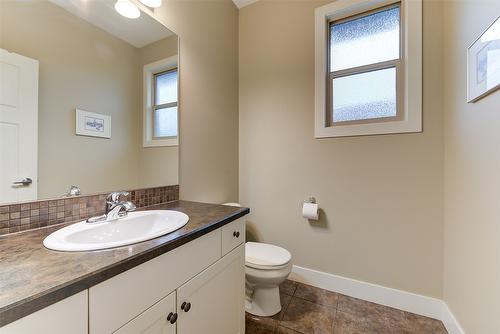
(58, 56)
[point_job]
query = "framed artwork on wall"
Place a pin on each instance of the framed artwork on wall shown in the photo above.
(92, 124)
(483, 64)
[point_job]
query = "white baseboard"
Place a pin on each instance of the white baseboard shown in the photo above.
(406, 301)
(451, 323)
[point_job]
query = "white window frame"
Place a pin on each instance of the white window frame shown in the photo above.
(148, 95)
(411, 92)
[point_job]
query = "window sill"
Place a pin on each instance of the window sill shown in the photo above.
(161, 142)
(368, 129)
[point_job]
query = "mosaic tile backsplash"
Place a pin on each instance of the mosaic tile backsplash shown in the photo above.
(30, 215)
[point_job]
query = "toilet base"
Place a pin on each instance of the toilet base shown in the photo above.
(263, 301)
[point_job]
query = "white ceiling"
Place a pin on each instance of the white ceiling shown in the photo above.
(243, 3)
(137, 32)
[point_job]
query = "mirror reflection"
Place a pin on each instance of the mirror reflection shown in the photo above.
(88, 98)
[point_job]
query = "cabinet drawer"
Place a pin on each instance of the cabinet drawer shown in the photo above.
(233, 235)
(117, 300)
(154, 320)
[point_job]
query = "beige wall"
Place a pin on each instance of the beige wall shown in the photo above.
(208, 32)
(157, 165)
(381, 196)
(472, 177)
(208, 35)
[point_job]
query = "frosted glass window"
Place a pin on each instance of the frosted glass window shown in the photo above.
(166, 87)
(365, 64)
(365, 40)
(365, 96)
(165, 122)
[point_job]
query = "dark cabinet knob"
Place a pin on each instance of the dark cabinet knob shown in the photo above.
(236, 234)
(186, 306)
(172, 317)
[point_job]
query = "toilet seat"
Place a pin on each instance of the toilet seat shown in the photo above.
(264, 268)
(265, 256)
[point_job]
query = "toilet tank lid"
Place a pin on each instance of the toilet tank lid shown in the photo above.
(266, 254)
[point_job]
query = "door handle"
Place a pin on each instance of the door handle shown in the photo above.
(25, 182)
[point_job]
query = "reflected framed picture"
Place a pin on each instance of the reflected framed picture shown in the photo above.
(92, 124)
(483, 64)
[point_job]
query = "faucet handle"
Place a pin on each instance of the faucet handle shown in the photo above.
(129, 206)
(114, 197)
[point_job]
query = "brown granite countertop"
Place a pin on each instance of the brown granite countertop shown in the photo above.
(33, 277)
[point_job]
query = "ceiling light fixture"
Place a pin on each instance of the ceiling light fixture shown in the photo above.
(127, 9)
(151, 3)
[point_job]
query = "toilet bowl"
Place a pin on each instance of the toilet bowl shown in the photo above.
(266, 267)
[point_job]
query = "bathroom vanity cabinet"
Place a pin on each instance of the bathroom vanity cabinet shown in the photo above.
(196, 288)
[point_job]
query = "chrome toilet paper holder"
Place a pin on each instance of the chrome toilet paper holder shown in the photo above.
(311, 200)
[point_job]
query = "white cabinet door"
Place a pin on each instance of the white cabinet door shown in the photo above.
(18, 127)
(213, 301)
(158, 319)
(118, 300)
(69, 315)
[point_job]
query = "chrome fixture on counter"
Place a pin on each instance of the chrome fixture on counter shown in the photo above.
(115, 208)
(73, 192)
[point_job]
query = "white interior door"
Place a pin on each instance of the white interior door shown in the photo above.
(18, 127)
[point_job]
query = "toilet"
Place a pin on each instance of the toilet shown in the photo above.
(266, 267)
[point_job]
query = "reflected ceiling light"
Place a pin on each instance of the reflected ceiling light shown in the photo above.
(127, 9)
(151, 3)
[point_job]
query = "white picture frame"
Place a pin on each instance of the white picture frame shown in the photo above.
(483, 64)
(92, 124)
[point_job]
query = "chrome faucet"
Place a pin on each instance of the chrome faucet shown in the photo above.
(113, 199)
(120, 210)
(115, 208)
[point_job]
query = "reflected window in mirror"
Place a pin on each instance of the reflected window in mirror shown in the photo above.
(165, 104)
(161, 84)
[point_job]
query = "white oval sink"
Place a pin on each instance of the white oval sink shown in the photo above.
(135, 227)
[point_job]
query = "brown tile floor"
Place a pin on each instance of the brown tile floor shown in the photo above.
(309, 310)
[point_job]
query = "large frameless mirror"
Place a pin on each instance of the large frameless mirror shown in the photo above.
(88, 98)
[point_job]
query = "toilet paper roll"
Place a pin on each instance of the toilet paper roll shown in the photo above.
(310, 211)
